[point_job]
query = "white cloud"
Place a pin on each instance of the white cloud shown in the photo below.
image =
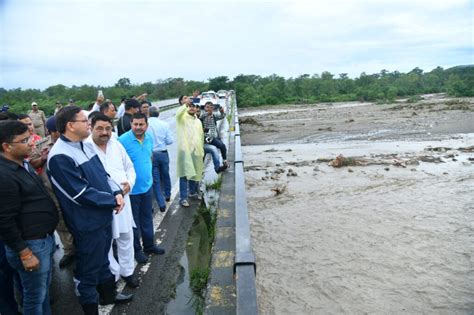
(98, 42)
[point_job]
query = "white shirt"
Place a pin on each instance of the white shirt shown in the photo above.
(118, 165)
(121, 110)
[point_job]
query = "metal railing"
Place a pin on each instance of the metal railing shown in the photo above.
(245, 267)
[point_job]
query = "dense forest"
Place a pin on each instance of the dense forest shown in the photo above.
(254, 90)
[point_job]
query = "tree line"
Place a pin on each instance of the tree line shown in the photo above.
(255, 90)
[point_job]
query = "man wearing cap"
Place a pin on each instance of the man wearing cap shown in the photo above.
(38, 118)
(58, 107)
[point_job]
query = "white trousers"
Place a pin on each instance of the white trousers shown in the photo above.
(126, 256)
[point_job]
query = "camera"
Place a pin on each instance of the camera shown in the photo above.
(208, 140)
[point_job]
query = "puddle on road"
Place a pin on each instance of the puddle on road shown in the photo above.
(195, 262)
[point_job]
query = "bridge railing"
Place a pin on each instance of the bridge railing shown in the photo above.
(245, 266)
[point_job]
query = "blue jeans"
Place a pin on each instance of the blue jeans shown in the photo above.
(8, 304)
(161, 177)
(183, 188)
(35, 283)
(209, 148)
(221, 146)
(143, 217)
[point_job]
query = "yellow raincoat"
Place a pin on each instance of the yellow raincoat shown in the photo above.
(190, 155)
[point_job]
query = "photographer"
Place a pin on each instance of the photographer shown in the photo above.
(211, 135)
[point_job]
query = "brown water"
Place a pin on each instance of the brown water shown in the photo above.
(376, 239)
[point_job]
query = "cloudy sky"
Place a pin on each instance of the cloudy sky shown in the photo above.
(48, 42)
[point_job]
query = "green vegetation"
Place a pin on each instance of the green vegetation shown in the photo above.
(215, 185)
(199, 280)
(201, 235)
(255, 90)
(198, 283)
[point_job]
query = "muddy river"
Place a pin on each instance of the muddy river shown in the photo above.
(390, 231)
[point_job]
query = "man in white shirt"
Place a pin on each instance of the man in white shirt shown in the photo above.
(121, 109)
(120, 168)
(161, 134)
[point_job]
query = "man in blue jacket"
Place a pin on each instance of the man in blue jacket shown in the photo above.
(88, 198)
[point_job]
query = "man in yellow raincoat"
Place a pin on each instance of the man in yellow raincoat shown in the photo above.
(190, 155)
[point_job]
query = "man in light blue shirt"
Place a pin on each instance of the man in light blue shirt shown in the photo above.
(161, 135)
(139, 147)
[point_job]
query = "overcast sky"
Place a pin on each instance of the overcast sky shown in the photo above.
(96, 42)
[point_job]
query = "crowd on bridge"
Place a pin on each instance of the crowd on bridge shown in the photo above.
(90, 176)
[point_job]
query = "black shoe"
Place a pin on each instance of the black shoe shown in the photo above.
(123, 298)
(220, 169)
(90, 309)
(118, 299)
(163, 209)
(66, 261)
(132, 281)
(168, 199)
(155, 250)
(140, 257)
(108, 294)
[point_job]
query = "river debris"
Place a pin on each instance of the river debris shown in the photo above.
(467, 149)
(341, 161)
(250, 121)
(279, 189)
(430, 159)
(438, 149)
(271, 150)
(275, 150)
(301, 163)
(291, 173)
(399, 163)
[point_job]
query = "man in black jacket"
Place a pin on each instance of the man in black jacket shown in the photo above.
(132, 106)
(28, 217)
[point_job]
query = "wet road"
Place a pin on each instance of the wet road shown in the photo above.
(62, 289)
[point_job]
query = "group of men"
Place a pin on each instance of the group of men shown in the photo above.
(102, 185)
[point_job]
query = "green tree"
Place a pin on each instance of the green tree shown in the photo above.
(123, 83)
(219, 83)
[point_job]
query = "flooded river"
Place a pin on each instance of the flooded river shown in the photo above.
(392, 235)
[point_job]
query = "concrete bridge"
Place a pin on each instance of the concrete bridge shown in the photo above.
(210, 238)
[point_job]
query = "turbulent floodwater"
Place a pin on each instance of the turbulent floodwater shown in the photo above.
(374, 239)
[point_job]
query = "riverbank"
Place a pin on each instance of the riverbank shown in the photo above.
(384, 228)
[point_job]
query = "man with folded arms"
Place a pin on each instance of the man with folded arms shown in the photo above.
(28, 217)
